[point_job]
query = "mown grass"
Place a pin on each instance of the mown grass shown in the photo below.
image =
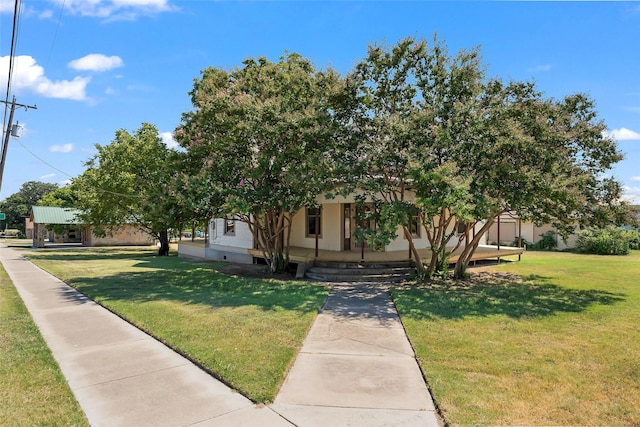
(551, 340)
(33, 391)
(246, 331)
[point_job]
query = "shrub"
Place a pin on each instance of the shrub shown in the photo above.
(607, 241)
(548, 240)
(632, 236)
(523, 241)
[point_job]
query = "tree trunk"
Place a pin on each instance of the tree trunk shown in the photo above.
(414, 252)
(163, 238)
(468, 251)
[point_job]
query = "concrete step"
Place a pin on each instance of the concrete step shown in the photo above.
(363, 264)
(361, 278)
(360, 272)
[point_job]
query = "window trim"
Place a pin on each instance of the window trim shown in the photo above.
(311, 213)
(414, 216)
(229, 230)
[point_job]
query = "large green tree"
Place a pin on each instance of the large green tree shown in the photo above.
(64, 197)
(260, 135)
(540, 157)
(429, 125)
(415, 108)
(133, 181)
(17, 206)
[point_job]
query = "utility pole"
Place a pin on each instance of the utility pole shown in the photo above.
(7, 133)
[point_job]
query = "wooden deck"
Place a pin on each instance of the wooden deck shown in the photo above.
(303, 255)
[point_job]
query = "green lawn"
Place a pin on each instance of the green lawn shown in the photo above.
(558, 344)
(245, 331)
(32, 389)
(551, 340)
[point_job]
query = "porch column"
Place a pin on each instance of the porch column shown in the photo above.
(498, 232)
(519, 233)
(317, 224)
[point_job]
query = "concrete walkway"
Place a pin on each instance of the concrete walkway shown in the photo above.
(356, 367)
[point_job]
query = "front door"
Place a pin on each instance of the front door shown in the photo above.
(349, 219)
(363, 224)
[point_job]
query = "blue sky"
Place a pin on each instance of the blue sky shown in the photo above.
(95, 66)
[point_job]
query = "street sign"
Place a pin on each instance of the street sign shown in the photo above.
(2, 217)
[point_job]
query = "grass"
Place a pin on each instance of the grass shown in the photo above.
(551, 340)
(32, 388)
(246, 331)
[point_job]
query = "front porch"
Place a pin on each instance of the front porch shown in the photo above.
(308, 255)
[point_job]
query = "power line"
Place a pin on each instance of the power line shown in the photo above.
(64, 173)
(12, 54)
(55, 34)
(43, 161)
(8, 131)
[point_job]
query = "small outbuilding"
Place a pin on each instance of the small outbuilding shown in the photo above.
(63, 225)
(68, 222)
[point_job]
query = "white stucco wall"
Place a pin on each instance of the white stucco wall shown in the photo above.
(331, 226)
(242, 238)
(529, 232)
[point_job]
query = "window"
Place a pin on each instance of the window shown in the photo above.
(314, 216)
(461, 227)
(229, 226)
(414, 223)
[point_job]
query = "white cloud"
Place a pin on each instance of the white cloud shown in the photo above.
(624, 134)
(7, 6)
(65, 148)
(96, 62)
(167, 138)
(116, 9)
(29, 76)
(49, 176)
(541, 67)
(635, 178)
(631, 194)
(46, 14)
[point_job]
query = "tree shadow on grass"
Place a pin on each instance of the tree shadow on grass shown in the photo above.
(91, 254)
(192, 282)
(492, 294)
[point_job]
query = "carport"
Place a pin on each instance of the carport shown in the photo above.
(43, 216)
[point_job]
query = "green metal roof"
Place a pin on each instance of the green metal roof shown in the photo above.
(55, 215)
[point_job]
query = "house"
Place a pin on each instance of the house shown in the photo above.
(508, 228)
(62, 225)
(325, 234)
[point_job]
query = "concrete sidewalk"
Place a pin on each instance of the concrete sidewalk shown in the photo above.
(356, 367)
(120, 375)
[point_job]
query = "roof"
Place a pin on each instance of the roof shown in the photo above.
(55, 215)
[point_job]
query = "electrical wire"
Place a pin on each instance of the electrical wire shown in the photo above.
(42, 160)
(55, 34)
(133, 196)
(12, 56)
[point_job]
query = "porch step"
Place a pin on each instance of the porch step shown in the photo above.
(360, 272)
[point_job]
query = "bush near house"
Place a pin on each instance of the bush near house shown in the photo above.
(548, 241)
(607, 241)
